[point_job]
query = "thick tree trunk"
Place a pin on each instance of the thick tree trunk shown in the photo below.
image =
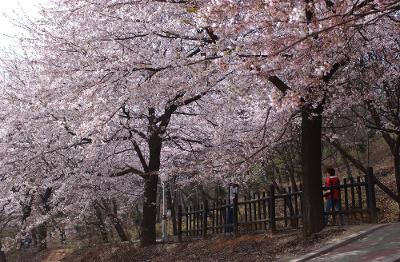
(396, 157)
(148, 225)
(311, 152)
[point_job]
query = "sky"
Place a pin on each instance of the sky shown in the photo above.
(12, 8)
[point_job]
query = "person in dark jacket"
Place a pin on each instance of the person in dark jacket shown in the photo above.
(332, 196)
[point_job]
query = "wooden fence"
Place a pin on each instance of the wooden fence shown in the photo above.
(272, 210)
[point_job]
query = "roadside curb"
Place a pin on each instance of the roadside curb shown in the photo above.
(335, 245)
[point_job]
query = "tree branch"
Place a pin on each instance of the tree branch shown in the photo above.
(127, 171)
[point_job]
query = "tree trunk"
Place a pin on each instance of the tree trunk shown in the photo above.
(148, 225)
(63, 236)
(42, 235)
(293, 221)
(171, 206)
(119, 228)
(182, 200)
(101, 225)
(34, 237)
(137, 218)
(290, 166)
(311, 155)
(293, 181)
(118, 223)
(61, 229)
(347, 165)
(158, 205)
(112, 213)
(397, 168)
(2, 254)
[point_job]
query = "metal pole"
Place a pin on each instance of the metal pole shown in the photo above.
(227, 208)
(164, 215)
(367, 147)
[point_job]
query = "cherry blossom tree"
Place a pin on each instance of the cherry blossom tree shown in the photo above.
(115, 89)
(303, 49)
(375, 74)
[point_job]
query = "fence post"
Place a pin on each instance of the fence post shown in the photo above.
(235, 215)
(180, 223)
(271, 209)
(371, 196)
(205, 213)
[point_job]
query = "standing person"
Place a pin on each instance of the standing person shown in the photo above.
(332, 196)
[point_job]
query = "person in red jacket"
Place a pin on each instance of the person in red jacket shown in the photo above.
(332, 195)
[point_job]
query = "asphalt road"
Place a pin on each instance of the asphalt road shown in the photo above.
(382, 245)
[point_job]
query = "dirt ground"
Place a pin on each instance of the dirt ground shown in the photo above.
(261, 247)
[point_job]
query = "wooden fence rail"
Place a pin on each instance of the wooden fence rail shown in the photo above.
(271, 211)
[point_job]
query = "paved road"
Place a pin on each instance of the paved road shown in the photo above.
(381, 245)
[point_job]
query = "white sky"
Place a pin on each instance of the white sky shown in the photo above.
(12, 8)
